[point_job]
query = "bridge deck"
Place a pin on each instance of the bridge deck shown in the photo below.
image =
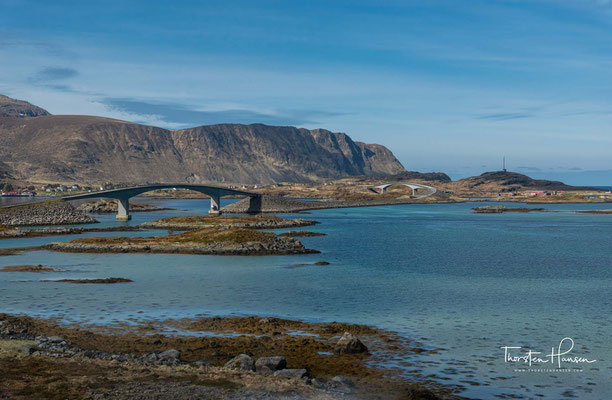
(124, 194)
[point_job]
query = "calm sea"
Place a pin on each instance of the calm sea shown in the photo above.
(469, 283)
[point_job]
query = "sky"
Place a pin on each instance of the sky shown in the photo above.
(449, 86)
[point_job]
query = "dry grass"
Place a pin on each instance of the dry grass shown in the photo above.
(217, 220)
(195, 237)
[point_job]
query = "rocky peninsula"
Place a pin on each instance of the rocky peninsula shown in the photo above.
(53, 212)
(211, 241)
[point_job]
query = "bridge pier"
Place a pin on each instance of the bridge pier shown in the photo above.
(254, 205)
(123, 210)
(215, 208)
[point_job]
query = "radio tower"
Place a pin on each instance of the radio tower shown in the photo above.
(504, 164)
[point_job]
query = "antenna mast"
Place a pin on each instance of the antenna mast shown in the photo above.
(504, 164)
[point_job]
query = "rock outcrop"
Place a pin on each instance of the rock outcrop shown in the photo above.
(19, 108)
(105, 206)
(350, 344)
(47, 213)
(241, 362)
(269, 365)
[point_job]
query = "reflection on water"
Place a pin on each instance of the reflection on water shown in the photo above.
(469, 283)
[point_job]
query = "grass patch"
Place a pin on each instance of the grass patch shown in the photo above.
(195, 237)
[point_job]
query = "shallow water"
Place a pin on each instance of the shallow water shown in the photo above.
(469, 283)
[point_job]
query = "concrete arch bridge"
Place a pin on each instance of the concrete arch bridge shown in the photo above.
(123, 196)
(418, 190)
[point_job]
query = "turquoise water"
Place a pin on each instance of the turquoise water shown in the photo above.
(469, 283)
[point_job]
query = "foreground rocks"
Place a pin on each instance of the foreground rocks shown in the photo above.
(55, 212)
(268, 365)
(241, 362)
(149, 365)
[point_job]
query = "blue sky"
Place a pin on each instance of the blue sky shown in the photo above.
(449, 86)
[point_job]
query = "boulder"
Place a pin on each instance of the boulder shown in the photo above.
(241, 362)
(341, 384)
(350, 344)
(292, 373)
(342, 380)
(27, 349)
(268, 365)
(171, 356)
(203, 363)
(54, 340)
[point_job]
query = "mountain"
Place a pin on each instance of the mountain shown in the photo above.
(40, 147)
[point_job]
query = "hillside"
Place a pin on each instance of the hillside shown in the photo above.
(64, 148)
(504, 181)
(19, 108)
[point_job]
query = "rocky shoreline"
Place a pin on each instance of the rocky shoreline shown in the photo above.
(105, 206)
(53, 212)
(267, 360)
(277, 204)
(250, 222)
(248, 249)
(15, 232)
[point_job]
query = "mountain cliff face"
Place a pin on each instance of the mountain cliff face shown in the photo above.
(67, 148)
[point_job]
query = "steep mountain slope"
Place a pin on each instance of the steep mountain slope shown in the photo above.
(66, 148)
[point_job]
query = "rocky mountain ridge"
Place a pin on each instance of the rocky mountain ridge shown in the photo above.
(37, 146)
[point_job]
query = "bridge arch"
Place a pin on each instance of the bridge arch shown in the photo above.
(418, 190)
(123, 196)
